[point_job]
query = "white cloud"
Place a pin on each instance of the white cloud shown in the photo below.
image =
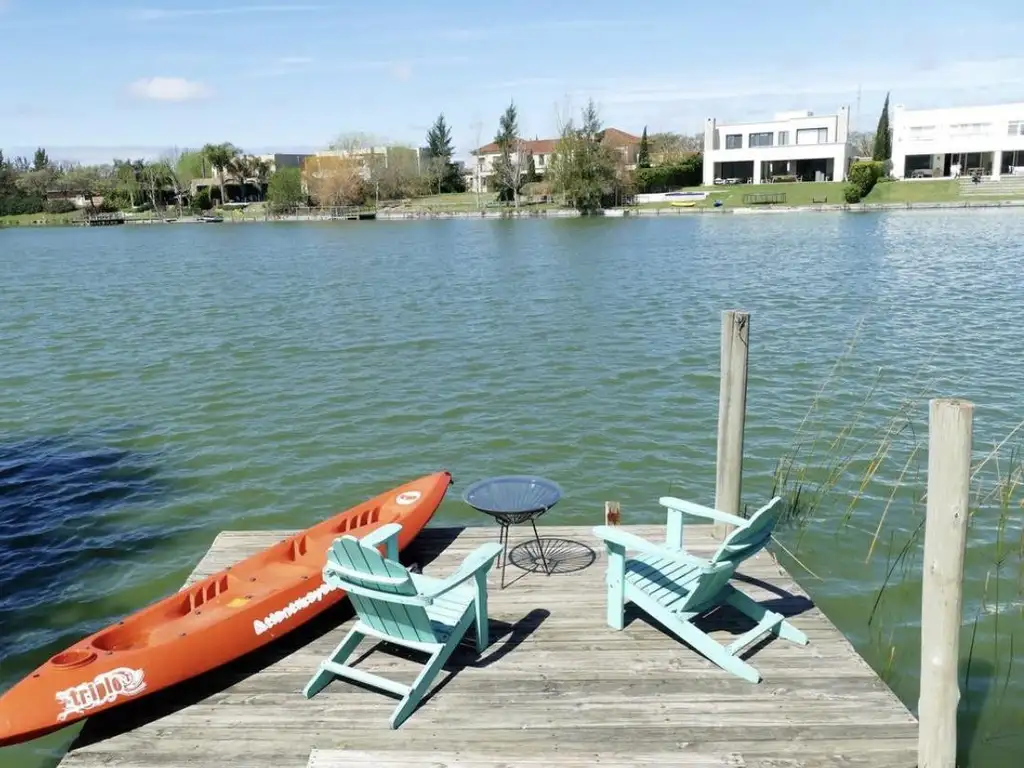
(401, 71)
(168, 89)
(155, 14)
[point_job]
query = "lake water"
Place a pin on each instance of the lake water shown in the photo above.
(158, 385)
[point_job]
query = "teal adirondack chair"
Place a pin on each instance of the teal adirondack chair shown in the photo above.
(408, 609)
(674, 587)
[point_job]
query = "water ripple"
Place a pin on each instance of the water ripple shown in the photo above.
(160, 385)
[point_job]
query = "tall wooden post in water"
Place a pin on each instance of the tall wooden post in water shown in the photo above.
(732, 408)
(950, 426)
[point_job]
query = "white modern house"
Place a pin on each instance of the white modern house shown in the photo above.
(793, 145)
(955, 141)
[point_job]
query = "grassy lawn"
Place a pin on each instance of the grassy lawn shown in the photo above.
(804, 193)
(459, 202)
(40, 219)
(939, 191)
(454, 201)
(810, 192)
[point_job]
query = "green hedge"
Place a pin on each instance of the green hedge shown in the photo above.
(15, 203)
(664, 178)
(60, 206)
(861, 179)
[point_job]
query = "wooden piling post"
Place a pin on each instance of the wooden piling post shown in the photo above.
(950, 425)
(732, 407)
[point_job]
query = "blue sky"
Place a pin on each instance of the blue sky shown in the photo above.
(90, 79)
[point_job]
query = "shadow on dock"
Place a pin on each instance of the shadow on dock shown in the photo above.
(733, 622)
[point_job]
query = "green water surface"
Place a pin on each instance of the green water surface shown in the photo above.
(267, 375)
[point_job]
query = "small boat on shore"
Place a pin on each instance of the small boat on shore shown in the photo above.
(208, 624)
(210, 219)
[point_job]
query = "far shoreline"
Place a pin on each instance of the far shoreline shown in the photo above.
(695, 211)
(555, 213)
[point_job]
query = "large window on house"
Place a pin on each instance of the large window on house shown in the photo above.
(783, 138)
(760, 139)
(1016, 128)
(733, 141)
(812, 136)
(969, 129)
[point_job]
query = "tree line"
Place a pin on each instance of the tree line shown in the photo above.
(585, 171)
(42, 185)
(357, 170)
(355, 173)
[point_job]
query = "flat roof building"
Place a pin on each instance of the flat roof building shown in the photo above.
(955, 141)
(792, 146)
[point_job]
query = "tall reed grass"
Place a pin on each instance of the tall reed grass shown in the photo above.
(859, 474)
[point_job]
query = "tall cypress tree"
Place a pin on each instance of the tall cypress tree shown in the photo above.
(882, 149)
(643, 155)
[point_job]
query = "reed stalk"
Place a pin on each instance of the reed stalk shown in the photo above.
(865, 477)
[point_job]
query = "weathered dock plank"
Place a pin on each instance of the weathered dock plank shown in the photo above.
(556, 687)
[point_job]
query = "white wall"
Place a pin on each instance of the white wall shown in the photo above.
(955, 130)
(836, 145)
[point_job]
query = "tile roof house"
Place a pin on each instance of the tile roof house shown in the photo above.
(543, 151)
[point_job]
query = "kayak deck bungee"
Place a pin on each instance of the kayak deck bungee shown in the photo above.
(208, 624)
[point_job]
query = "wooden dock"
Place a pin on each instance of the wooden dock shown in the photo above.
(556, 688)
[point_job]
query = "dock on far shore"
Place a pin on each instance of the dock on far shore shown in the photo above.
(557, 687)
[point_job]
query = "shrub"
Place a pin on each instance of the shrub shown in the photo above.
(852, 193)
(201, 202)
(60, 206)
(863, 176)
(14, 204)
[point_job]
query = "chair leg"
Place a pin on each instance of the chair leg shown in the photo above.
(483, 630)
(322, 677)
(754, 610)
(615, 580)
(412, 699)
(714, 652)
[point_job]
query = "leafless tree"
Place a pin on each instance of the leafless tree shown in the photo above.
(477, 130)
(863, 143)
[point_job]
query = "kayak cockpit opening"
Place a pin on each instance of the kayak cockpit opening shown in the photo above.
(73, 658)
(123, 638)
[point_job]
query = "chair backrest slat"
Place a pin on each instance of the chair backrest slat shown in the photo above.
(705, 586)
(365, 567)
(747, 540)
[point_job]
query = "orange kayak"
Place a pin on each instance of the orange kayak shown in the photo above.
(214, 621)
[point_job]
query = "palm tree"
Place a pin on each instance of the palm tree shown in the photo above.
(261, 172)
(240, 168)
(221, 158)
